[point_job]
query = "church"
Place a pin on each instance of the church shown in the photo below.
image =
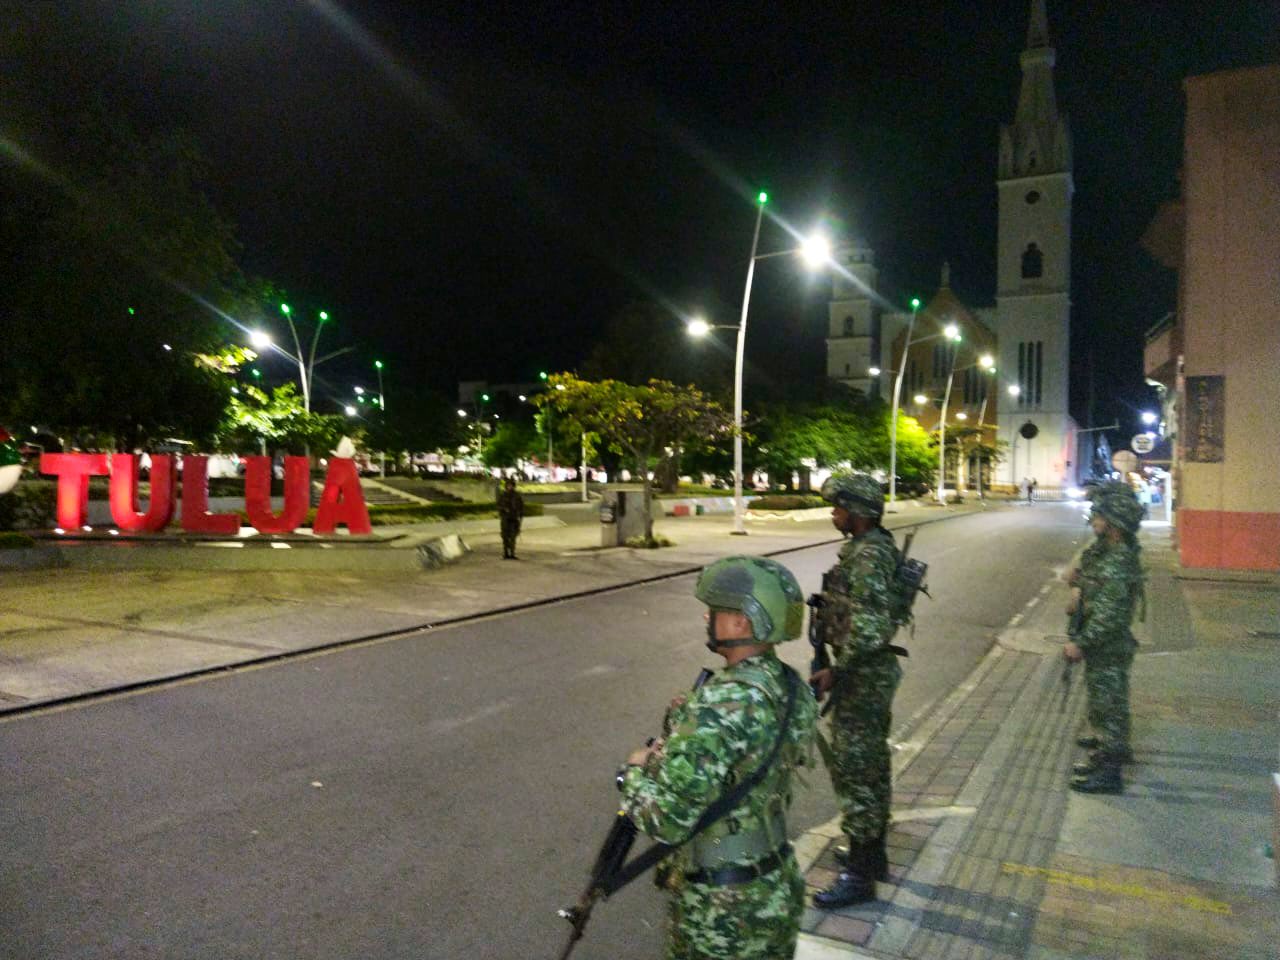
(997, 372)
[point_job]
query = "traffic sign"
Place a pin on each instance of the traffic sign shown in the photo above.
(1142, 443)
(1126, 461)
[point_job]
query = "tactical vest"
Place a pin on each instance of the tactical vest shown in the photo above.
(740, 838)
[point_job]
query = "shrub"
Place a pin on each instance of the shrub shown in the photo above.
(787, 501)
(15, 541)
(28, 506)
(642, 543)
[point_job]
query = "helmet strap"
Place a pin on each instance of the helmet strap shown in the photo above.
(714, 643)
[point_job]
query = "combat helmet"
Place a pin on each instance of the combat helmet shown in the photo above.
(858, 493)
(762, 589)
(1121, 510)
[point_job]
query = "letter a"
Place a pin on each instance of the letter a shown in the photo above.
(342, 500)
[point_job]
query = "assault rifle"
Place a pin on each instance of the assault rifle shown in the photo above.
(611, 870)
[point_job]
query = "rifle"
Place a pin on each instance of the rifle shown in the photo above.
(1075, 624)
(611, 871)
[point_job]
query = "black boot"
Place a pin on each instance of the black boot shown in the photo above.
(879, 854)
(1090, 763)
(1105, 778)
(855, 883)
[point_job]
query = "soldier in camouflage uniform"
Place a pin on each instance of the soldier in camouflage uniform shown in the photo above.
(737, 891)
(1107, 587)
(862, 682)
(510, 513)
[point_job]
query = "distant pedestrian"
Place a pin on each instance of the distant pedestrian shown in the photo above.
(1031, 493)
(510, 513)
(1024, 489)
(1108, 586)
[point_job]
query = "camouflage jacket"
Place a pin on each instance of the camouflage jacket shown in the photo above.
(1111, 582)
(510, 505)
(717, 738)
(868, 563)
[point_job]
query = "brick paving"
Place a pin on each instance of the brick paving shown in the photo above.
(987, 848)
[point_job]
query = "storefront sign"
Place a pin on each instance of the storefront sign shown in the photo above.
(341, 503)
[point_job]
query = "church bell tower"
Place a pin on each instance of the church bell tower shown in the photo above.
(1033, 289)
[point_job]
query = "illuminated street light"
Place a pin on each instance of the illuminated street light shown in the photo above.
(359, 391)
(816, 251)
(873, 371)
(1015, 390)
(697, 327)
(962, 415)
(920, 399)
(259, 340)
(350, 410)
(1148, 417)
(461, 412)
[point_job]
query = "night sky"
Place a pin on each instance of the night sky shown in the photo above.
(472, 189)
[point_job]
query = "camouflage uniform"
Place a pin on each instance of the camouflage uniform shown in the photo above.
(510, 513)
(715, 739)
(1110, 583)
(867, 675)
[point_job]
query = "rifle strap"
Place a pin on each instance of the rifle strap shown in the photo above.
(723, 805)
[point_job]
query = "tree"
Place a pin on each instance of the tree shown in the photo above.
(639, 422)
(644, 340)
(512, 442)
(109, 257)
(257, 421)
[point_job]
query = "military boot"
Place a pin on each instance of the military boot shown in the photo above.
(1104, 778)
(855, 883)
(880, 856)
(1090, 763)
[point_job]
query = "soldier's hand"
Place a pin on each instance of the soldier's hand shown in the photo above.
(641, 756)
(678, 701)
(822, 682)
(1072, 652)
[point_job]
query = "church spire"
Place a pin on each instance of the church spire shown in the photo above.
(1037, 26)
(1038, 141)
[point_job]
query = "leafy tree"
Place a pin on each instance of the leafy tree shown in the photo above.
(256, 420)
(644, 341)
(639, 422)
(109, 256)
(512, 442)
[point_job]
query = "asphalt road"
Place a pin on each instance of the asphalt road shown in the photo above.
(433, 796)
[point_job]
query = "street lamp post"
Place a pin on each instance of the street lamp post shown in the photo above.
(816, 251)
(306, 366)
(382, 408)
(987, 363)
(739, 527)
(897, 395)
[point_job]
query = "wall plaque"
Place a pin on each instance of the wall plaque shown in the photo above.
(1204, 427)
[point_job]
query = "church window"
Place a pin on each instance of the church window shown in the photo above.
(846, 370)
(1022, 374)
(848, 326)
(1031, 160)
(1039, 370)
(1033, 196)
(1032, 262)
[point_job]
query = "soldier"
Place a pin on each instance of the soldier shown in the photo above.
(510, 513)
(862, 683)
(1108, 585)
(737, 891)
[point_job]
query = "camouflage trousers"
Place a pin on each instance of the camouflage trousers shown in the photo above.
(1106, 681)
(861, 764)
(510, 531)
(759, 920)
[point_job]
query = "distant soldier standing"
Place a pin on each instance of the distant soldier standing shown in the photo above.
(737, 892)
(1108, 586)
(510, 513)
(862, 683)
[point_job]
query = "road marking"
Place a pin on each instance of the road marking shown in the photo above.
(1137, 891)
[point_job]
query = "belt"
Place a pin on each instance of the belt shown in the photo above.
(728, 876)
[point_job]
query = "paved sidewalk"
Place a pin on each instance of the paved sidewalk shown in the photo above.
(992, 856)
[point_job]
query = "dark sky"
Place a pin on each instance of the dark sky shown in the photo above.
(473, 189)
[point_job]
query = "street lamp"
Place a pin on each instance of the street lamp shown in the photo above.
(897, 394)
(306, 367)
(816, 251)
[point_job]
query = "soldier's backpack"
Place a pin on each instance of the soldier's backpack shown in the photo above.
(908, 581)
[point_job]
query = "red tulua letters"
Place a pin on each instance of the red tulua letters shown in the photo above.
(341, 503)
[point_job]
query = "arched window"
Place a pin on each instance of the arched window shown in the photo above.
(848, 326)
(1032, 262)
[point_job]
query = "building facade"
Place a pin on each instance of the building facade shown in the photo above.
(1217, 358)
